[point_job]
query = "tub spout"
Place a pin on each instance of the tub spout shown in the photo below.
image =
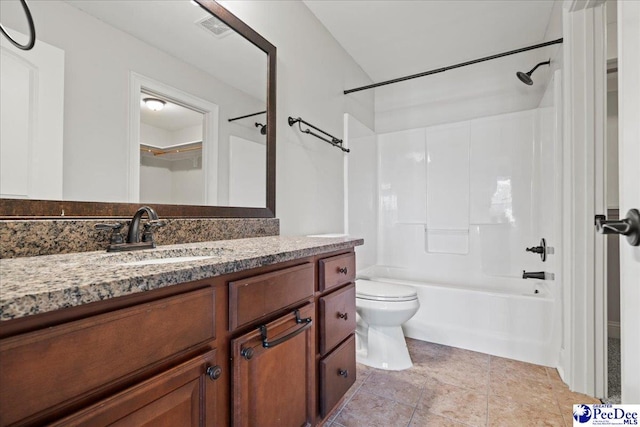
(533, 275)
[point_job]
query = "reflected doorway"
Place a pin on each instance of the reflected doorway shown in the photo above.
(173, 144)
(170, 152)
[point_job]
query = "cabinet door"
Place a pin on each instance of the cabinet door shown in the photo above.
(273, 372)
(182, 396)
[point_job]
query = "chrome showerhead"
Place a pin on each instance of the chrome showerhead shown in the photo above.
(526, 77)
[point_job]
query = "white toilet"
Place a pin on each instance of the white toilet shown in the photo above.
(381, 310)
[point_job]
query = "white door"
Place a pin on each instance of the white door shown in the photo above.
(32, 102)
(629, 156)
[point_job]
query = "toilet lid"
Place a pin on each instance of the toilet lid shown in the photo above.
(381, 291)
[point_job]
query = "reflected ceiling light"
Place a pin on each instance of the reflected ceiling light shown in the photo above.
(154, 104)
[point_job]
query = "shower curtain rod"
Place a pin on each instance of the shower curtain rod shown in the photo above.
(451, 67)
(248, 115)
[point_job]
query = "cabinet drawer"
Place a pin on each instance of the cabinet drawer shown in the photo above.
(337, 317)
(63, 364)
(337, 270)
(337, 374)
(173, 398)
(254, 297)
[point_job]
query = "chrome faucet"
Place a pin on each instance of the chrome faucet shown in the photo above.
(134, 241)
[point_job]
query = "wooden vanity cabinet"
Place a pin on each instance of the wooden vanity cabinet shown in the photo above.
(271, 346)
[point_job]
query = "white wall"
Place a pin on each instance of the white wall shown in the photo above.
(155, 180)
(362, 188)
(163, 138)
(313, 70)
(171, 181)
(247, 172)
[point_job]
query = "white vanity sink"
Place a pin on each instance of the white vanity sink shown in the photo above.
(162, 256)
(166, 260)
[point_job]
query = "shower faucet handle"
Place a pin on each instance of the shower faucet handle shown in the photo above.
(542, 249)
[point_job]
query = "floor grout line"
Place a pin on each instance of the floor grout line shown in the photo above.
(415, 408)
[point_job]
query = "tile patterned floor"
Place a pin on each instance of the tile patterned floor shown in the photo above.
(452, 387)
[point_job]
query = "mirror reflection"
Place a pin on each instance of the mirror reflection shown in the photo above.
(170, 152)
(74, 124)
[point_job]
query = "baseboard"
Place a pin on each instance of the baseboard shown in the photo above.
(613, 329)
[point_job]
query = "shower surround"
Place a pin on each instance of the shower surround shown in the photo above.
(455, 206)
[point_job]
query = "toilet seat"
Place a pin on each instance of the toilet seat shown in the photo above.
(382, 291)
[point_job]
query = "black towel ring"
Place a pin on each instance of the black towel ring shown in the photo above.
(32, 30)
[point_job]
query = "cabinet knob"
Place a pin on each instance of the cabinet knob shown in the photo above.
(344, 315)
(342, 270)
(343, 373)
(247, 353)
(214, 372)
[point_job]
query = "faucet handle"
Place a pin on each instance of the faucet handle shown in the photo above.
(149, 226)
(116, 237)
(155, 223)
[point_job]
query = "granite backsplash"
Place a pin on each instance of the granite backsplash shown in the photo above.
(24, 238)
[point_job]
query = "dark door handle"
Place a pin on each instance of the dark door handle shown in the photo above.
(629, 226)
(343, 373)
(344, 315)
(342, 270)
(306, 324)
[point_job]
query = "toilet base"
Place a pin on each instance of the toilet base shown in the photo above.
(383, 347)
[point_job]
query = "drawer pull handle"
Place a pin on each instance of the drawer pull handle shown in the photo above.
(343, 373)
(342, 270)
(344, 315)
(247, 353)
(270, 344)
(214, 372)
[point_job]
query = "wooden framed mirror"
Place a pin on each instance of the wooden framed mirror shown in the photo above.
(93, 169)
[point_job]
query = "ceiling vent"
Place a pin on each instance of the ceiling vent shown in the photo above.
(214, 26)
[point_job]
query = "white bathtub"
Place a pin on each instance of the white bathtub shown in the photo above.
(519, 319)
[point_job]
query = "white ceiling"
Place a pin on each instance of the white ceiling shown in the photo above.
(171, 118)
(396, 38)
(391, 39)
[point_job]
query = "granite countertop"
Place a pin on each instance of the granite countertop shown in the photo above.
(40, 284)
